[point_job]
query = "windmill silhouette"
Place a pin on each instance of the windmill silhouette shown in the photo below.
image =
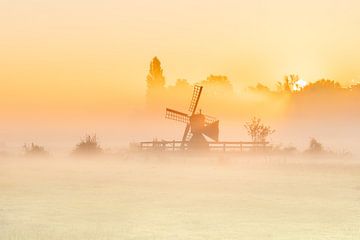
(198, 125)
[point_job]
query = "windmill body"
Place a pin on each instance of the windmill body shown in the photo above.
(198, 125)
(201, 133)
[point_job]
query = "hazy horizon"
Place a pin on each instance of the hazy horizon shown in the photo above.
(72, 68)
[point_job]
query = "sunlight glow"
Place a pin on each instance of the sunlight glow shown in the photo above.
(300, 84)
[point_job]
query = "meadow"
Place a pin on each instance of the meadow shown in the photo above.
(137, 197)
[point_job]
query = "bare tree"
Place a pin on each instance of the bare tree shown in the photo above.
(258, 131)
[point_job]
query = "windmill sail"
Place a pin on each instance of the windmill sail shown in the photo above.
(198, 125)
(195, 98)
(185, 135)
(212, 131)
(177, 116)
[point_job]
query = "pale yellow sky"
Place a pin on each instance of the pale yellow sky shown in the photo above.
(76, 52)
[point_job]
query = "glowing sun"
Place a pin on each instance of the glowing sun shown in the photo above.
(299, 84)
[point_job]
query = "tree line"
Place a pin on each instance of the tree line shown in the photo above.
(290, 93)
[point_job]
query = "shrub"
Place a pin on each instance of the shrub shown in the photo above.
(34, 150)
(258, 131)
(89, 146)
(315, 146)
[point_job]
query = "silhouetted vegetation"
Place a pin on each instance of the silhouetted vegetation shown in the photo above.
(258, 131)
(155, 84)
(289, 84)
(292, 97)
(217, 85)
(298, 101)
(35, 150)
(315, 147)
(260, 88)
(155, 78)
(88, 146)
(322, 85)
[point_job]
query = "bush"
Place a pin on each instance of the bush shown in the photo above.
(315, 147)
(258, 131)
(35, 150)
(88, 146)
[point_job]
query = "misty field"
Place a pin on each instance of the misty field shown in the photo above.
(184, 198)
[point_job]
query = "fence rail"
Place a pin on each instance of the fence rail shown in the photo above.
(213, 146)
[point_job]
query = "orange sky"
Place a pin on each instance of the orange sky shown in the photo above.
(75, 54)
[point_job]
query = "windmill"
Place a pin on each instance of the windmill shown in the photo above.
(197, 124)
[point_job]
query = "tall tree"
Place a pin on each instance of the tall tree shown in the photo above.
(155, 83)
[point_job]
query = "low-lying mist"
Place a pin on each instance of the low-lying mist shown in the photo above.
(179, 197)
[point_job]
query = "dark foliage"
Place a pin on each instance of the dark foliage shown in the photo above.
(35, 150)
(315, 147)
(88, 146)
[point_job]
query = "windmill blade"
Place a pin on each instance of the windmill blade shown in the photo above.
(177, 116)
(212, 131)
(185, 135)
(195, 98)
(189, 136)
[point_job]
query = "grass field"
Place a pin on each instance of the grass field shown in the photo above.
(262, 198)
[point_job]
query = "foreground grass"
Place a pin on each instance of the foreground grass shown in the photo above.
(178, 199)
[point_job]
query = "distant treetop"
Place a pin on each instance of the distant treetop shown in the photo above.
(155, 84)
(217, 84)
(155, 77)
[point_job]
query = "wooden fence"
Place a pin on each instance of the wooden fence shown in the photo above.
(213, 146)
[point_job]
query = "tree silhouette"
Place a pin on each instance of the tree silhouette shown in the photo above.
(155, 83)
(315, 146)
(258, 131)
(88, 145)
(217, 85)
(289, 83)
(34, 150)
(322, 85)
(181, 88)
(182, 84)
(260, 88)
